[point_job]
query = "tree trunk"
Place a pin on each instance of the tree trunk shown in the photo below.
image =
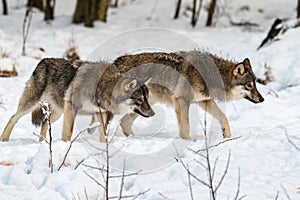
(298, 9)
(196, 12)
(177, 11)
(193, 21)
(36, 3)
(5, 11)
(88, 13)
(115, 5)
(102, 10)
(78, 16)
(49, 10)
(211, 11)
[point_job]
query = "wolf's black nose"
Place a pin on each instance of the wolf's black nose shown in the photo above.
(151, 113)
(261, 99)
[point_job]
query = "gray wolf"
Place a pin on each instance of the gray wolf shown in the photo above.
(50, 82)
(180, 79)
(100, 89)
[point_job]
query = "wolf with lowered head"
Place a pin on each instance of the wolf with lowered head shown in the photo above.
(100, 89)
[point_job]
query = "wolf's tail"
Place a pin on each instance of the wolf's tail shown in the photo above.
(37, 117)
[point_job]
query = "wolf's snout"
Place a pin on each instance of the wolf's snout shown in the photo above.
(151, 113)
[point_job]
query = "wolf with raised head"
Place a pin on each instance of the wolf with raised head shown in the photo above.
(183, 78)
(51, 80)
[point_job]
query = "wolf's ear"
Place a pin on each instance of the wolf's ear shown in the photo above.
(239, 69)
(246, 62)
(132, 84)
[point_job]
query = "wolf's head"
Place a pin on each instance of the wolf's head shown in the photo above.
(243, 82)
(135, 97)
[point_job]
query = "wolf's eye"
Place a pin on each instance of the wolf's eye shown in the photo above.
(249, 86)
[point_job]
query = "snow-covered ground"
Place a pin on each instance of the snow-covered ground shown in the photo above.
(269, 164)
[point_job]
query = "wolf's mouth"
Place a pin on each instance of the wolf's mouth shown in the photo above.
(254, 101)
(142, 114)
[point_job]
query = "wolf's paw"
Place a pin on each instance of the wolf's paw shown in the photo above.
(226, 133)
(3, 139)
(185, 136)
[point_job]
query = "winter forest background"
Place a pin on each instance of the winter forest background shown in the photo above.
(261, 161)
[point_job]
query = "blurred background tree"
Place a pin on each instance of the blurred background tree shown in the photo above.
(88, 11)
(5, 11)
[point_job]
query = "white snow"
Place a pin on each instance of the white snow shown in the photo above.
(267, 161)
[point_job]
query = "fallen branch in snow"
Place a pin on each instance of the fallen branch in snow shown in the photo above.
(9, 73)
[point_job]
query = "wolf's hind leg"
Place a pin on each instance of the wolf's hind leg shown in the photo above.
(182, 113)
(69, 117)
(212, 108)
(93, 120)
(11, 123)
(26, 105)
(126, 123)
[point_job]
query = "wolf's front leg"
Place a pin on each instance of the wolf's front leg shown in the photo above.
(126, 123)
(104, 119)
(212, 108)
(182, 113)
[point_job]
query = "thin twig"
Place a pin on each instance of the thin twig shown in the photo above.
(277, 195)
(95, 180)
(163, 196)
(215, 145)
(185, 167)
(224, 173)
(122, 180)
(140, 194)
(79, 163)
(290, 141)
(190, 184)
(69, 148)
(285, 192)
(96, 168)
